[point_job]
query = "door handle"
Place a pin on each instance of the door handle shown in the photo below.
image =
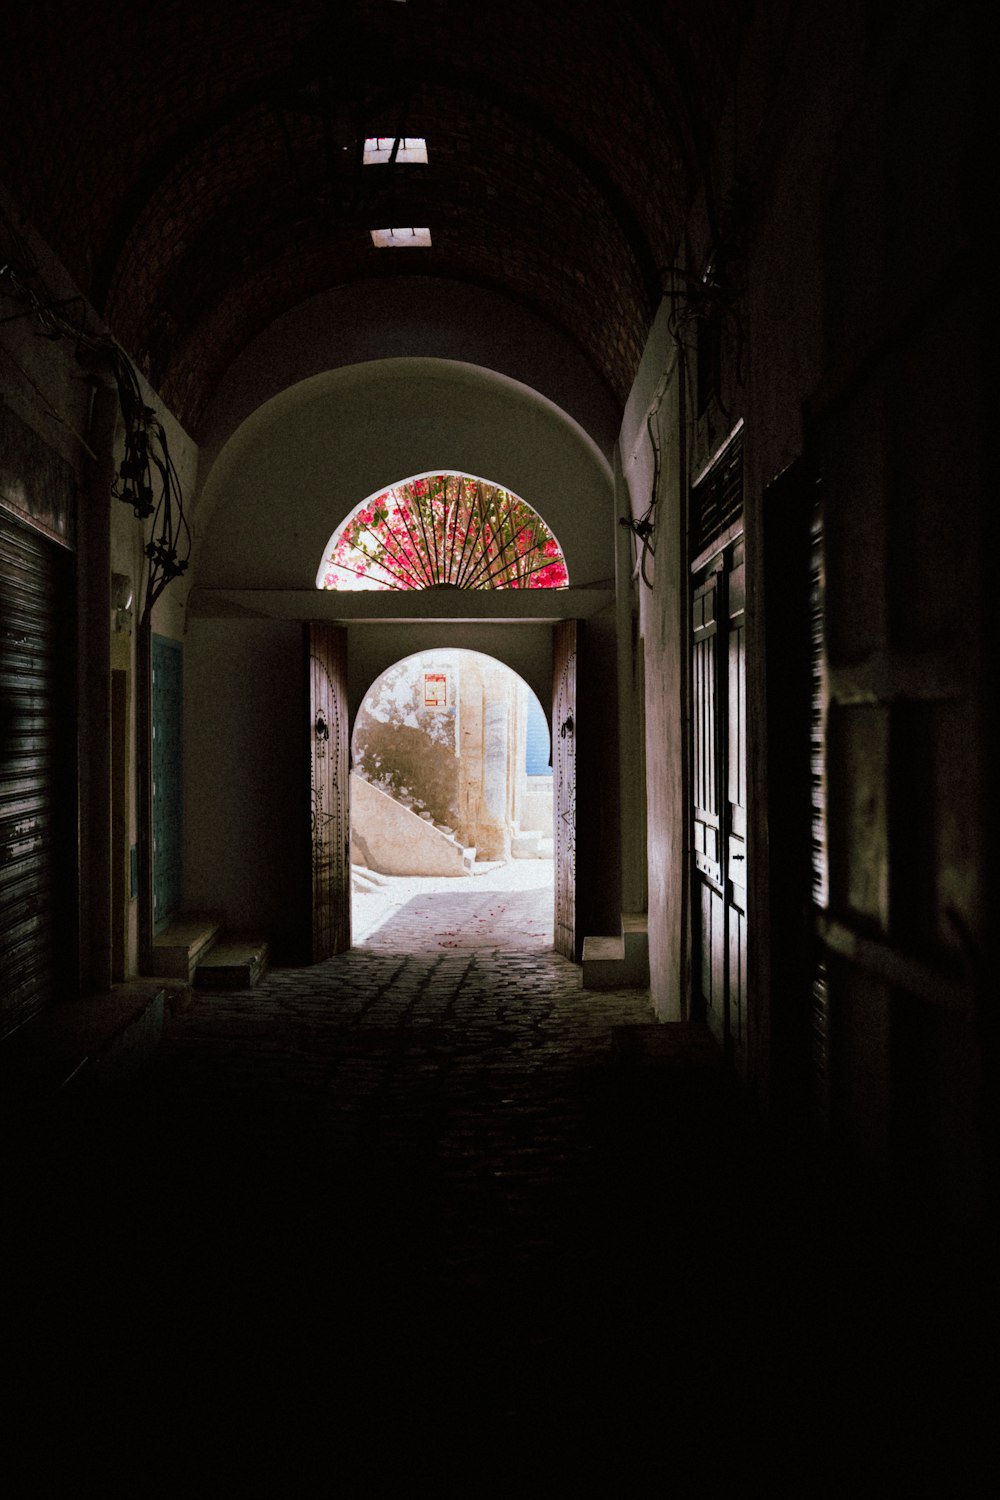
(322, 728)
(566, 727)
(735, 857)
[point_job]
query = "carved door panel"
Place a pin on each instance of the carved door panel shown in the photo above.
(564, 731)
(736, 802)
(330, 813)
(709, 903)
(719, 796)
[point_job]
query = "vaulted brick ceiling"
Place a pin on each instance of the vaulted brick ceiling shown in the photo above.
(193, 165)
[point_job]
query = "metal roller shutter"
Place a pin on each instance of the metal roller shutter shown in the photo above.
(37, 761)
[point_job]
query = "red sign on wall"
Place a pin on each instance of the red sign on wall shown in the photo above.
(435, 690)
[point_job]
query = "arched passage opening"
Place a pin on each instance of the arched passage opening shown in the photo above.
(451, 807)
(292, 472)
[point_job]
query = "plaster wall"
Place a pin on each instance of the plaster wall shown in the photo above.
(535, 809)
(525, 648)
(293, 471)
(66, 396)
(409, 748)
(404, 317)
(655, 402)
(389, 838)
(246, 778)
(851, 344)
(246, 804)
(598, 842)
(462, 761)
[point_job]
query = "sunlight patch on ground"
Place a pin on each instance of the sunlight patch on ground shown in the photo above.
(388, 895)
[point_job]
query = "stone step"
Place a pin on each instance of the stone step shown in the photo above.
(180, 947)
(603, 963)
(611, 963)
(635, 933)
(233, 963)
(81, 1043)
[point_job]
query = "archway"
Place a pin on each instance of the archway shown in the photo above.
(293, 471)
(451, 807)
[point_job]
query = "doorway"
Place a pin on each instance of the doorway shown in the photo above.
(451, 807)
(718, 751)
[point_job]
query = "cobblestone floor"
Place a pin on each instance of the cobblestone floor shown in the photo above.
(398, 1224)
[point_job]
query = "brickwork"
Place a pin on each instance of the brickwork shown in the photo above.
(148, 148)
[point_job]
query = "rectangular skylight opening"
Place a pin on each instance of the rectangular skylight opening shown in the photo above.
(378, 148)
(383, 237)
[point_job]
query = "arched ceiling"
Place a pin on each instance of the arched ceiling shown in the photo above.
(194, 165)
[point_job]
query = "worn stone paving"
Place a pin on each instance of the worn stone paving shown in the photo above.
(400, 1224)
(502, 908)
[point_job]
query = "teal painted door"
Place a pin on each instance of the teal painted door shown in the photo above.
(168, 869)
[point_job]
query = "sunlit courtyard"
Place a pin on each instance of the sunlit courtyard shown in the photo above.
(500, 906)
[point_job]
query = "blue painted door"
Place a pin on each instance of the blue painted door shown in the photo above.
(168, 869)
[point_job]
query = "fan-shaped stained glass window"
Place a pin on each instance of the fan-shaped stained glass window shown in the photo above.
(443, 530)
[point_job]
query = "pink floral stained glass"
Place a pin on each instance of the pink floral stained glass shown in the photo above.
(446, 530)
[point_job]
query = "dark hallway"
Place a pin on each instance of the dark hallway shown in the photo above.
(445, 1224)
(696, 293)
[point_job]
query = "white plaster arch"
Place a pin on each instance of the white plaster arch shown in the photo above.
(403, 316)
(375, 647)
(298, 465)
(443, 650)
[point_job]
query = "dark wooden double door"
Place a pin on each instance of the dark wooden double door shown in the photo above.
(329, 775)
(719, 796)
(329, 768)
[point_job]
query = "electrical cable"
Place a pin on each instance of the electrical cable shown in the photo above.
(147, 479)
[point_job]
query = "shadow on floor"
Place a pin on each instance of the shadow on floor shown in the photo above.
(428, 1237)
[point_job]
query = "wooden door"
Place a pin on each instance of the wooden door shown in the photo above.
(793, 999)
(330, 829)
(735, 809)
(564, 732)
(719, 800)
(709, 910)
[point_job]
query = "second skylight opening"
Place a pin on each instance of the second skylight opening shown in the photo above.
(400, 237)
(378, 148)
